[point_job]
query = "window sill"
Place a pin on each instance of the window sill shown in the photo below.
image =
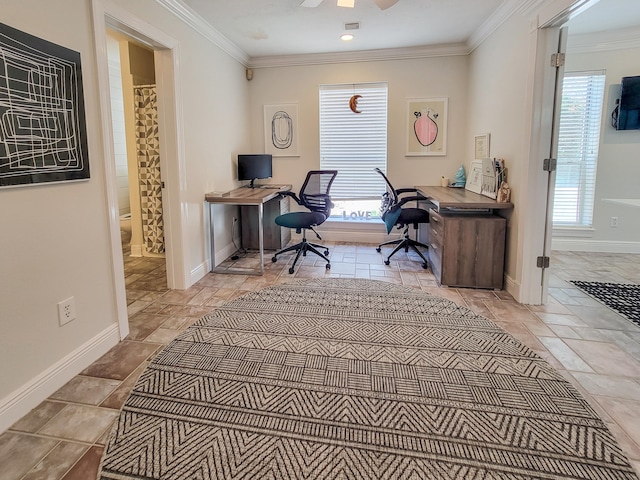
(573, 232)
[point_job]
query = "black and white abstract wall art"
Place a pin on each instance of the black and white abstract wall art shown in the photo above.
(42, 121)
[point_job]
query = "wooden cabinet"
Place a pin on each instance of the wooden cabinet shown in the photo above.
(275, 237)
(467, 249)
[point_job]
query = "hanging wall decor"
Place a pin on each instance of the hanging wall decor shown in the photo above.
(43, 134)
(427, 127)
(281, 130)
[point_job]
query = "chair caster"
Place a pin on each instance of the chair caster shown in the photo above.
(425, 266)
(328, 266)
(378, 249)
(274, 259)
(387, 262)
(291, 270)
(326, 253)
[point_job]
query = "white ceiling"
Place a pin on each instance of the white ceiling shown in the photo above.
(262, 28)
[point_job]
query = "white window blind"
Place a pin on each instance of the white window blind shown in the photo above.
(354, 143)
(578, 142)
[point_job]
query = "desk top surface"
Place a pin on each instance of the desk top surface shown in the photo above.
(447, 197)
(247, 196)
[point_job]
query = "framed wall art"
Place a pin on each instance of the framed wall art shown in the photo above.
(427, 126)
(281, 130)
(481, 146)
(42, 117)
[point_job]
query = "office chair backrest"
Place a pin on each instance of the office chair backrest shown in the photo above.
(389, 197)
(314, 193)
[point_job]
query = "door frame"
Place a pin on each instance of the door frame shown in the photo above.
(545, 35)
(106, 14)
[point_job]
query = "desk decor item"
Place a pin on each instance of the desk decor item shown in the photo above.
(351, 378)
(474, 180)
(44, 135)
(427, 127)
(281, 130)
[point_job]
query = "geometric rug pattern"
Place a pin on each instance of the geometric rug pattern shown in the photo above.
(623, 298)
(354, 379)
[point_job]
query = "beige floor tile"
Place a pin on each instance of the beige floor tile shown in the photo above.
(20, 452)
(87, 467)
(607, 385)
(121, 360)
(57, 462)
(81, 423)
(605, 358)
(83, 389)
(569, 359)
(625, 414)
(38, 417)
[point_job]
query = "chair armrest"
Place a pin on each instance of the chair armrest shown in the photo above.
(292, 195)
(406, 190)
(413, 198)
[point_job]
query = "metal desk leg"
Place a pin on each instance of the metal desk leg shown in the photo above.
(211, 240)
(261, 237)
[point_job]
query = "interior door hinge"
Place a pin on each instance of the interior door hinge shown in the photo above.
(542, 262)
(549, 164)
(557, 60)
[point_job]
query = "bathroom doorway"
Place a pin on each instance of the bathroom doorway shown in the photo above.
(134, 116)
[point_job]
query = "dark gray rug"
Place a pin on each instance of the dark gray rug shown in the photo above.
(357, 379)
(623, 298)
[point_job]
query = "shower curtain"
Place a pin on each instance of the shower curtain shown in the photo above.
(148, 152)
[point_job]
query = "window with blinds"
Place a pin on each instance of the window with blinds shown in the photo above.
(578, 142)
(354, 143)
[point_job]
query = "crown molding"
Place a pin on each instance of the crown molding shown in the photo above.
(200, 25)
(360, 56)
(604, 41)
(499, 16)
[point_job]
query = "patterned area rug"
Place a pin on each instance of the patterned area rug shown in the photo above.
(623, 298)
(357, 379)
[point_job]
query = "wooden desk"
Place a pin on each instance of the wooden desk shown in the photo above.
(245, 197)
(460, 198)
(466, 238)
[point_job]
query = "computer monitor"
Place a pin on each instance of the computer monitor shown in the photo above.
(254, 166)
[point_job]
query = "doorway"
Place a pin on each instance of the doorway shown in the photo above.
(109, 16)
(134, 116)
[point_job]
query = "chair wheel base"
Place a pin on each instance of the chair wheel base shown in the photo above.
(291, 270)
(425, 266)
(378, 249)
(328, 266)
(274, 259)
(387, 262)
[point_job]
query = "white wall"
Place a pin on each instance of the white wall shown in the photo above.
(618, 158)
(419, 78)
(55, 238)
(499, 81)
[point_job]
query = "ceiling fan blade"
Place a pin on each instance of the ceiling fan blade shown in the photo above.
(346, 3)
(310, 3)
(384, 4)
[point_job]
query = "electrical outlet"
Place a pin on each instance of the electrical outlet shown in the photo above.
(614, 222)
(66, 311)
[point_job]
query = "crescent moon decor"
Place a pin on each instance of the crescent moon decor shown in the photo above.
(353, 103)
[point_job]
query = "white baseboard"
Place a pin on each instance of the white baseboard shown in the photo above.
(588, 245)
(512, 287)
(20, 402)
(199, 272)
(136, 251)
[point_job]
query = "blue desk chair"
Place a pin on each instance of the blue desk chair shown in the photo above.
(394, 213)
(314, 196)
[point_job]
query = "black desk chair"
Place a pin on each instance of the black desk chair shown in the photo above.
(393, 213)
(314, 195)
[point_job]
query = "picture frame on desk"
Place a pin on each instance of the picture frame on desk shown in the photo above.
(474, 178)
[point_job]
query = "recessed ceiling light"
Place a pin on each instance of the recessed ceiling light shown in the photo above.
(346, 37)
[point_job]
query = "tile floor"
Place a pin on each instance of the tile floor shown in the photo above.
(595, 348)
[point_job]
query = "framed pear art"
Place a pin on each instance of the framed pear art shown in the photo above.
(427, 126)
